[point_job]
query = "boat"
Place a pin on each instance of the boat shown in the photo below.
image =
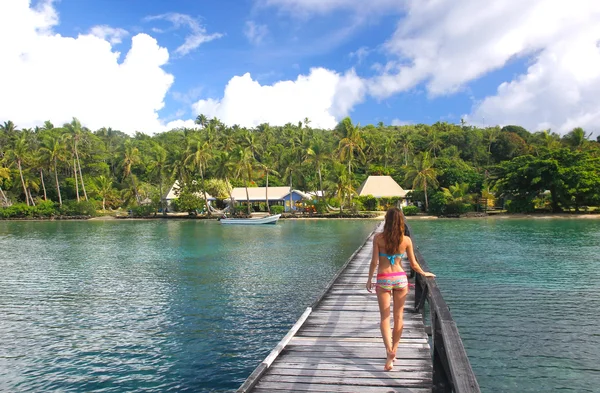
(251, 221)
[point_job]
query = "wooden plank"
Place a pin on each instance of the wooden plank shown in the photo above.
(387, 382)
(265, 387)
(462, 375)
(301, 340)
(399, 366)
(363, 362)
(343, 374)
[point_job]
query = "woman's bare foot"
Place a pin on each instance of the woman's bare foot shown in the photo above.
(389, 364)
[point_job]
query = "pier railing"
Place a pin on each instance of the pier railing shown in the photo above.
(452, 371)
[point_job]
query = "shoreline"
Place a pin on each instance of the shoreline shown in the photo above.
(379, 217)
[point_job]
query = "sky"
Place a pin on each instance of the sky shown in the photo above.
(153, 65)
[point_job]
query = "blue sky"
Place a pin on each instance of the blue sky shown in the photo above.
(402, 61)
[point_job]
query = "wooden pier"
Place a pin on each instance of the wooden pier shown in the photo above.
(336, 344)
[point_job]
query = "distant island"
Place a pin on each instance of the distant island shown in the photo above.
(451, 169)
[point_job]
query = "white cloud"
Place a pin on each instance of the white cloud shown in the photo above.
(360, 54)
(181, 124)
(398, 122)
(46, 76)
(255, 33)
(197, 37)
(559, 91)
(111, 34)
(323, 96)
(448, 43)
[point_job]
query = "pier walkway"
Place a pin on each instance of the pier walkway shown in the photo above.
(336, 344)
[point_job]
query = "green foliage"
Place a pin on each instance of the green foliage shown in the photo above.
(124, 170)
(438, 203)
(277, 209)
(45, 209)
(82, 208)
(143, 211)
(412, 210)
(17, 210)
(188, 202)
(218, 188)
(457, 207)
(369, 202)
(520, 206)
(386, 203)
(357, 206)
(455, 170)
(321, 207)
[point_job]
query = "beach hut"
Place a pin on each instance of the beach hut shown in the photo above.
(277, 196)
(383, 187)
(174, 193)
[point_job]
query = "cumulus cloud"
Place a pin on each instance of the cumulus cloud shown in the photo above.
(255, 33)
(197, 36)
(323, 96)
(46, 76)
(448, 43)
(111, 34)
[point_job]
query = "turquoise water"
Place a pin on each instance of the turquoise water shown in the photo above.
(526, 297)
(156, 306)
(194, 306)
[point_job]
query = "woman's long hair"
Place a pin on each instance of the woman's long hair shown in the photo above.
(393, 230)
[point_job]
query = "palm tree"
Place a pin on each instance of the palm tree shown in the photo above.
(4, 174)
(389, 146)
(406, 141)
(422, 174)
(131, 157)
(341, 184)
(317, 154)
(435, 144)
(352, 144)
(39, 165)
(18, 154)
(266, 168)
(53, 150)
(75, 130)
(198, 156)
(157, 166)
(103, 187)
(8, 131)
(224, 168)
(457, 192)
(576, 138)
(202, 120)
(31, 182)
(244, 166)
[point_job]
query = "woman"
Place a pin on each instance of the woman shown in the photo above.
(389, 247)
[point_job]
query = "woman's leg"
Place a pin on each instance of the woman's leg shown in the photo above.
(384, 298)
(399, 299)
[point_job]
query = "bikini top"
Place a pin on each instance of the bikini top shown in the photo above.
(392, 257)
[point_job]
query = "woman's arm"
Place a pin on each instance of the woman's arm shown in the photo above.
(414, 265)
(374, 261)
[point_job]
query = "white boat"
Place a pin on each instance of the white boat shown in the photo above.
(251, 221)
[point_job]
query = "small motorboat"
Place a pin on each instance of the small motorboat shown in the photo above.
(251, 221)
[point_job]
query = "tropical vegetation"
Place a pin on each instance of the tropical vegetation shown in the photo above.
(450, 168)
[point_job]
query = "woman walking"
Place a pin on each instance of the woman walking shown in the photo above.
(389, 247)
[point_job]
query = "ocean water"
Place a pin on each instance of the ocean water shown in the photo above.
(195, 306)
(526, 297)
(156, 306)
